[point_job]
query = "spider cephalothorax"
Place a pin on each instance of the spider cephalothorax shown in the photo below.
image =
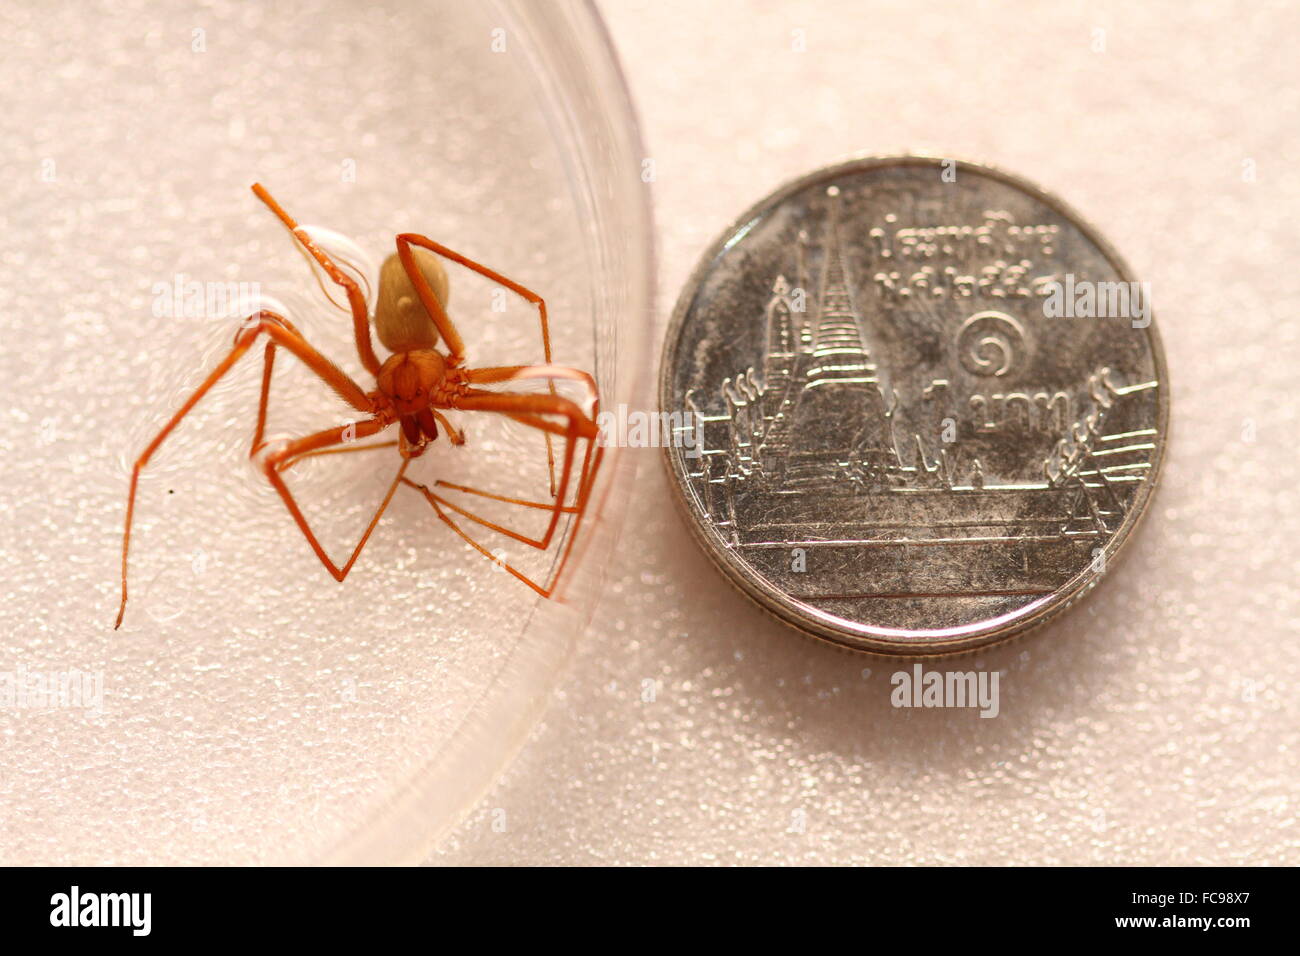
(414, 384)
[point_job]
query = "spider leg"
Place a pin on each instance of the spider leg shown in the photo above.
(456, 436)
(508, 500)
(347, 450)
(281, 332)
(446, 328)
(439, 502)
(531, 410)
(558, 501)
(441, 505)
(280, 459)
(268, 365)
(263, 403)
(528, 295)
(555, 508)
(507, 373)
(357, 302)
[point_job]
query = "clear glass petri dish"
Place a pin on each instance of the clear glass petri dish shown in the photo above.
(254, 710)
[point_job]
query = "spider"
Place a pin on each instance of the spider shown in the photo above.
(414, 385)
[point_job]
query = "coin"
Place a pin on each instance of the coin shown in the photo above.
(918, 405)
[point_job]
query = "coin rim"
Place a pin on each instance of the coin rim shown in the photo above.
(870, 638)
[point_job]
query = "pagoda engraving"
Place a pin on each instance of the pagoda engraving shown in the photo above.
(812, 445)
(822, 392)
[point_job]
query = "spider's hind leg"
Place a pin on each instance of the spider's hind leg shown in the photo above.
(324, 442)
(539, 412)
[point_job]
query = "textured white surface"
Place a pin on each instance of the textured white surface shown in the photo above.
(1156, 723)
(253, 709)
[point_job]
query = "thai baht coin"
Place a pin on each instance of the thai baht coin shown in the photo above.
(918, 405)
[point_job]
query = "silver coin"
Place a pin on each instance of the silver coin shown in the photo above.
(918, 404)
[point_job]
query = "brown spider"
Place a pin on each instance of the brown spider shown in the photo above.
(414, 385)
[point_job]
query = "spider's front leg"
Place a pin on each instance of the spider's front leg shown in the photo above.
(356, 301)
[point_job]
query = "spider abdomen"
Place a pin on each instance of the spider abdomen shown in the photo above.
(401, 320)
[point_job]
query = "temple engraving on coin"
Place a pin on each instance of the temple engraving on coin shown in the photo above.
(902, 448)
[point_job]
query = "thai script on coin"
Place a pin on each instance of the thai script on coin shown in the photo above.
(930, 404)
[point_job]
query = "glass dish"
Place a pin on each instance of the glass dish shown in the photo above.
(253, 710)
